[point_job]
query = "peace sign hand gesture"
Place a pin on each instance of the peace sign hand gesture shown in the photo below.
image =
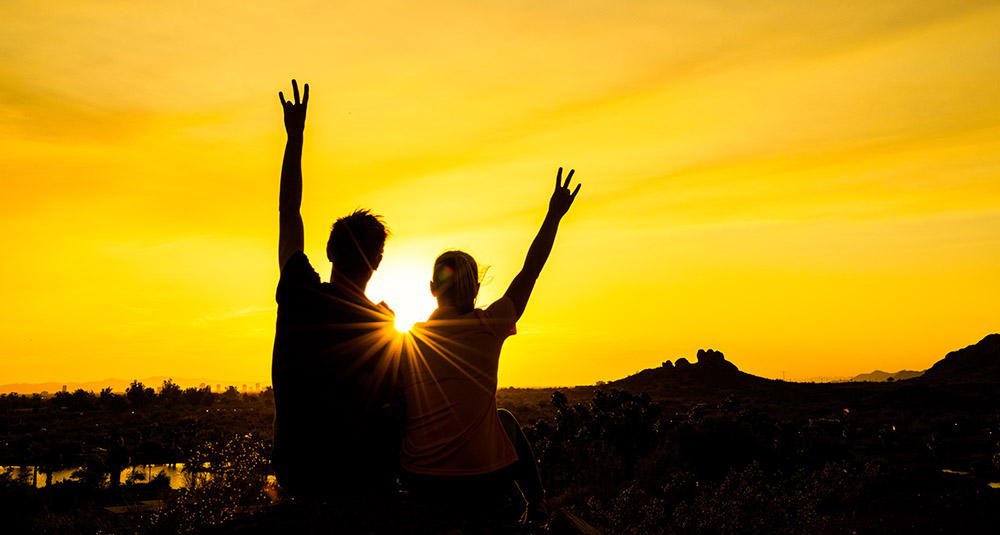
(295, 112)
(562, 199)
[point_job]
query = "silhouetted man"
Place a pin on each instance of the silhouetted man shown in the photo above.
(332, 373)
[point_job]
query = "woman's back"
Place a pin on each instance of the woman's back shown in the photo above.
(450, 379)
(455, 448)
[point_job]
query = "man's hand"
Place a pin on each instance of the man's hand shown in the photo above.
(295, 112)
(291, 236)
(562, 199)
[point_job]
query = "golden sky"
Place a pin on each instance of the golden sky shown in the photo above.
(812, 188)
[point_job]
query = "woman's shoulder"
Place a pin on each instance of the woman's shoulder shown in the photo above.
(500, 317)
(503, 307)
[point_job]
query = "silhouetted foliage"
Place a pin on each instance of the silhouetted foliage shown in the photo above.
(93, 475)
(139, 396)
(231, 394)
(198, 396)
(170, 393)
(838, 457)
(111, 401)
(224, 480)
(628, 465)
(607, 436)
(19, 503)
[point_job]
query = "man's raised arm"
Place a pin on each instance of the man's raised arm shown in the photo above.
(290, 234)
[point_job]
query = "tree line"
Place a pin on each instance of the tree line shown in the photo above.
(136, 396)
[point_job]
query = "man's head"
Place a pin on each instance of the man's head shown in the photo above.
(356, 244)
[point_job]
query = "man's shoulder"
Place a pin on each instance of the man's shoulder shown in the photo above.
(297, 281)
(297, 269)
(297, 262)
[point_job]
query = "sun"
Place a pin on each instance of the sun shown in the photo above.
(403, 286)
(408, 315)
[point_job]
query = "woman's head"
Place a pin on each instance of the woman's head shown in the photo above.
(456, 280)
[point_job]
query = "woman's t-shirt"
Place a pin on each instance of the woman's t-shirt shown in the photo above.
(450, 381)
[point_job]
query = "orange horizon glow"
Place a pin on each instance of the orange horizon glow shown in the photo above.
(812, 189)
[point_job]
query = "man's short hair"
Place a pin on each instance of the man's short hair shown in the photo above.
(356, 241)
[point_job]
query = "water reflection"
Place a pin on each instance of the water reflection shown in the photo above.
(144, 473)
(138, 474)
(993, 485)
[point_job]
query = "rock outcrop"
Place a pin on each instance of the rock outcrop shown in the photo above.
(709, 373)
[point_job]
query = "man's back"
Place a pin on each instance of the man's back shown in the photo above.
(333, 375)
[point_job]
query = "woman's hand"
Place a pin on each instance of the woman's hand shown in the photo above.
(562, 199)
(520, 289)
(295, 112)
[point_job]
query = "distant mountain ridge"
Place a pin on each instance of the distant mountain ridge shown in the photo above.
(119, 385)
(879, 376)
(876, 376)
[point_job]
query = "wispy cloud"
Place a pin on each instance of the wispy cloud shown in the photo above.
(241, 313)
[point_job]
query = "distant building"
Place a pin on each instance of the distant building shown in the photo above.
(244, 388)
(218, 389)
(257, 388)
(64, 389)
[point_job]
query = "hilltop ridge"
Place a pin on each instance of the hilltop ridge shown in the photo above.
(979, 362)
(712, 373)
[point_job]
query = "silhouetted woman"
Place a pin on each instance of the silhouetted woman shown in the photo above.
(458, 449)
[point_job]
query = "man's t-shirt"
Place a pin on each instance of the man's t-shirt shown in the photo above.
(450, 382)
(333, 375)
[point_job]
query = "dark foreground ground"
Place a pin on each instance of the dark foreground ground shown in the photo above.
(653, 453)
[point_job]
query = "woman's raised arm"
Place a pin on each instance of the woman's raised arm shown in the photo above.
(520, 288)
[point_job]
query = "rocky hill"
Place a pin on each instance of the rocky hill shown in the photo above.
(711, 373)
(979, 363)
(711, 376)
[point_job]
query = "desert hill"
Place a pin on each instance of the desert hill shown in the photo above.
(710, 373)
(978, 363)
(975, 370)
